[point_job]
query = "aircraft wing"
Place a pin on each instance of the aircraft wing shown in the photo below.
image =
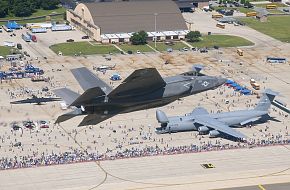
(138, 82)
(219, 126)
(89, 80)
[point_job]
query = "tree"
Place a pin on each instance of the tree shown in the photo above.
(243, 1)
(3, 8)
(22, 9)
(193, 36)
(49, 4)
(139, 38)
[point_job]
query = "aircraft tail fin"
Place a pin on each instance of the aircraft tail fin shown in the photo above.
(91, 95)
(266, 100)
(161, 117)
(66, 94)
(88, 80)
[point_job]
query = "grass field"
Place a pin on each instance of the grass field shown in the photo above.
(161, 46)
(264, 5)
(222, 41)
(82, 48)
(39, 12)
(4, 50)
(134, 48)
(277, 27)
(241, 9)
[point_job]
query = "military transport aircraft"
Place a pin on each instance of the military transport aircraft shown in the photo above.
(36, 100)
(143, 89)
(215, 124)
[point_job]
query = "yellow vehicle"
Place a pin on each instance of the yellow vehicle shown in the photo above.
(221, 25)
(256, 86)
(217, 16)
(271, 6)
(240, 52)
(248, 14)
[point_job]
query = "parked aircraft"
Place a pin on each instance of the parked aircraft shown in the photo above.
(143, 89)
(217, 124)
(35, 100)
(104, 68)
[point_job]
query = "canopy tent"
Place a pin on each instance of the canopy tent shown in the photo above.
(12, 25)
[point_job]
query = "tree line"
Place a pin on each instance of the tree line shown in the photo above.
(24, 8)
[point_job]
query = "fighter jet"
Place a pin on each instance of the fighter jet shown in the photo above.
(218, 124)
(143, 89)
(36, 100)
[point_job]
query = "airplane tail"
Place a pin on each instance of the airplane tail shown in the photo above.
(90, 96)
(266, 100)
(161, 117)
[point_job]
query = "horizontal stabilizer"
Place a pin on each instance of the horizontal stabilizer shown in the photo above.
(66, 94)
(92, 94)
(88, 80)
(199, 111)
(138, 82)
(69, 115)
(93, 119)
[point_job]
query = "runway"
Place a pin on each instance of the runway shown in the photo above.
(278, 186)
(232, 168)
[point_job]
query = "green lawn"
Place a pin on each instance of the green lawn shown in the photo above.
(39, 12)
(4, 51)
(277, 26)
(161, 46)
(275, 11)
(222, 41)
(134, 48)
(264, 5)
(241, 9)
(82, 48)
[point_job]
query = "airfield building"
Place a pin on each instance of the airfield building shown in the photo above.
(113, 22)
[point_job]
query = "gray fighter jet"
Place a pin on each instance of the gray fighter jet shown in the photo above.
(219, 124)
(143, 89)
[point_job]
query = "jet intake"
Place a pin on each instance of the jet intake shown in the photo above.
(203, 129)
(214, 133)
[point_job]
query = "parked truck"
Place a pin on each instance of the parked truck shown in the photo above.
(32, 37)
(26, 38)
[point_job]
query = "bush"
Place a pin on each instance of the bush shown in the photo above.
(139, 38)
(193, 36)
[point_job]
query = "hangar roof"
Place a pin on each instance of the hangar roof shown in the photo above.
(133, 16)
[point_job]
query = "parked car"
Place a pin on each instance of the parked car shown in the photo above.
(70, 40)
(129, 52)
(19, 46)
(185, 49)
(85, 37)
(138, 52)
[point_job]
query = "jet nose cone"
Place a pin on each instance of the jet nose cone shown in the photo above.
(220, 81)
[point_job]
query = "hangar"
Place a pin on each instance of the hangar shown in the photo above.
(116, 21)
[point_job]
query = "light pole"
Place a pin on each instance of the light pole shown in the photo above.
(155, 16)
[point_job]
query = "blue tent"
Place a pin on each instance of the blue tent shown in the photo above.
(12, 25)
(234, 85)
(229, 82)
(238, 88)
(246, 92)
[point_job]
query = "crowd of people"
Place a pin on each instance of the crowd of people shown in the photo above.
(77, 155)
